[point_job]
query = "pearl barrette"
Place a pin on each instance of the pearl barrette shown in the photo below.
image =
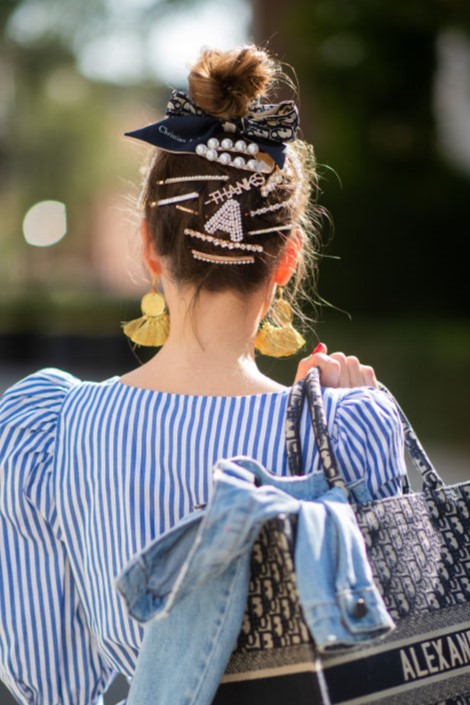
(273, 181)
(227, 218)
(198, 177)
(269, 209)
(227, 244)
(231, 190)
(221, 259)
(219, 151)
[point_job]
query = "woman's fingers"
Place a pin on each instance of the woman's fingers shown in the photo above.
(329, 368)
(343, 380)
(353, 374)
(337, 369)
(356, 377)
(369, 376)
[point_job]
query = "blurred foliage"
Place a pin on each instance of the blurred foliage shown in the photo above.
(367, 72)
(60, 138)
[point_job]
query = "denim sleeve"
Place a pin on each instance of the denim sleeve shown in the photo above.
(368, 440)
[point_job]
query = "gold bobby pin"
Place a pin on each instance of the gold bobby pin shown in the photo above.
(187, 210)
(221, 259)
(269, 230)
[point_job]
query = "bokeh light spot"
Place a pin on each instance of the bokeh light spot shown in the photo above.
(45, 223)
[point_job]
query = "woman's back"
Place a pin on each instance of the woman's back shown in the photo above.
(93, 472)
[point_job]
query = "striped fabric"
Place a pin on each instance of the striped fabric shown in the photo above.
(92, 472)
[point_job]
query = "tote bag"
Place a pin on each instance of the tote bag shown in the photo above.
(418, 545)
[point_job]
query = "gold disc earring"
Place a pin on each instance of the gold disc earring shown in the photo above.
(279, 338)
(153, 327)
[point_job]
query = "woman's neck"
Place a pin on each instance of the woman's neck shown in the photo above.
(210, 349)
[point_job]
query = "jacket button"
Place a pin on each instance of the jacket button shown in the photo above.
(360, 609)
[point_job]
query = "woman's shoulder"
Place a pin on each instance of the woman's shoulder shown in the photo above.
(368, 437)
(361, 402)
(44, 389)
(36, 401)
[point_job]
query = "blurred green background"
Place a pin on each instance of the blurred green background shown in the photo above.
(384, 97)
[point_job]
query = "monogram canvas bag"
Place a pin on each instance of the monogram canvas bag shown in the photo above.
(418, 545)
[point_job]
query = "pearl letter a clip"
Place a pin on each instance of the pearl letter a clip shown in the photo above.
(228, 219)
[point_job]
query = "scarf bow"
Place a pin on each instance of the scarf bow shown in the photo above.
(186, 125)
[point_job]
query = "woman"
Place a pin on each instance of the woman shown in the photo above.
(90, 473)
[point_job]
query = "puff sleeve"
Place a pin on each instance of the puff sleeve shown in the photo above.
(47, 654)
(368, 440)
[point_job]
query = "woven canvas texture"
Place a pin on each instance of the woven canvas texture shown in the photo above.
(419, 549)
(274, 632)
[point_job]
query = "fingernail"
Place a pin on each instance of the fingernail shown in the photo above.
(321, 348)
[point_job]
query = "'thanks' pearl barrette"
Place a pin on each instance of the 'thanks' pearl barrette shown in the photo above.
(219, 151)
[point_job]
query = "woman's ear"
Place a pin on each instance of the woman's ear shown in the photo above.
(151, 259)
(289, 260)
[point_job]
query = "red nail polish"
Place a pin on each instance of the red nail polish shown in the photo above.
(321, 348)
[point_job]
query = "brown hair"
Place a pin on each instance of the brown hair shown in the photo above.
(224, 84)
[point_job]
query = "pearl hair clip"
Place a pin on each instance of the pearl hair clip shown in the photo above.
(269, 209)
(211, 152)
(274, 180)
(198, 177)
(222, 259)
(227, 244)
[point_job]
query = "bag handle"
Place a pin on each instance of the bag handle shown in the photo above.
(413, 445)
(310, 387)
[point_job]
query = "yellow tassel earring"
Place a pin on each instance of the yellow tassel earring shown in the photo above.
(280, 339)
(153, 327)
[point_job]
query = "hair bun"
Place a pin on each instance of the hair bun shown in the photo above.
(224, 83)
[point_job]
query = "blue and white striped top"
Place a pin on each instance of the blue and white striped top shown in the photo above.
(92, 472)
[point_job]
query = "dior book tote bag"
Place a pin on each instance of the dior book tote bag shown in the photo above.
(418, 545)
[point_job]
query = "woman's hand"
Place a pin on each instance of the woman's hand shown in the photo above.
(337, 369)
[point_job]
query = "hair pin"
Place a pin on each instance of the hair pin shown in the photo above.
(236, 189)
(269, 230)
(216, 151)
(222, 259)
(187, 210)
(175, 199)
(222, 243)
(276, 178)
(227, 218)
(199, 177)
(269, 209)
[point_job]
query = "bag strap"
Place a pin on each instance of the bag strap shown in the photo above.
(295, 405)
(310, 388)
(418, 455)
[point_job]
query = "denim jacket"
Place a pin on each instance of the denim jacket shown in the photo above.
(191, 584)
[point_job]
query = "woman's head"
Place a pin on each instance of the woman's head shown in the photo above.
(233, 232)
